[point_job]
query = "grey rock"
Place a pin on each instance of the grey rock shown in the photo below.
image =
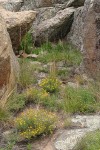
(31, 4)
(44, 14)
(73, 85)
(75, 3)
(85, 34)
(76, 34)
(54, 28)
(69, 138)
(11, 5)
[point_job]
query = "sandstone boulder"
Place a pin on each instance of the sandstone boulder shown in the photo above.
(8, 63)
(11, 5)
(18, 24)
(54, 28)
(88, 22)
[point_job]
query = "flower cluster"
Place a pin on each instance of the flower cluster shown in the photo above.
(34, 122)
(50, 84)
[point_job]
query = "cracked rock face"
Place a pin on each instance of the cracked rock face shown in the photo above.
(85, 34)
(54, 28)
(9, 67)
(91, 36)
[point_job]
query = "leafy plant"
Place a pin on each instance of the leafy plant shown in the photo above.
(78, 100)
(50, 84)
(91, 141)
(27, 43)
(16, 102)
(36, 95)
(33, 122)
(4, 115)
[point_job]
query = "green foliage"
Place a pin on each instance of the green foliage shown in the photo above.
(26, 43)
(50, 84)
(90, 142)
(36, 95)
(51, 103)
(59, 52)
(4, 115)
(33, 122)
(29, 146)
(78, 100)
(16, 102)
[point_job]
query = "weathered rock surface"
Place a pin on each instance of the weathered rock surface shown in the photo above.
(11, 5)
(85, 34)
(91, 36)
(31, 4)
(54, 28)
(18, 24)
(76, 33)
(75, 3)
(8, 63)
(68, 139)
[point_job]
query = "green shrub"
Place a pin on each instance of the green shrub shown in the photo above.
(50, 84)
(33, 122)
(16, 102)
(27, 43)
(90, 142)
(78, 100)
(4, 115)
(59, 52)
(36, 95)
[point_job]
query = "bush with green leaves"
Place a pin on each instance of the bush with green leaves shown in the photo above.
(79, 100)
(27, 43)
(16, 102)
(36, 95)
(50, 84)
(33, 122)
(4, 114)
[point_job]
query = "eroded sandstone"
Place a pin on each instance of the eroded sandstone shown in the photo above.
(9, 67)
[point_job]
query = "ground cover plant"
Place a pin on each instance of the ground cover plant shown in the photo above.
(90, 142)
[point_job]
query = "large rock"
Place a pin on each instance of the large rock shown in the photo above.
(44, 14)
(76, 34)
(88, 22)
(31, 4)
(11, 5)
(54, 28)
(18, 24)
(75, 3)
(91, 36)
(8, 64)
